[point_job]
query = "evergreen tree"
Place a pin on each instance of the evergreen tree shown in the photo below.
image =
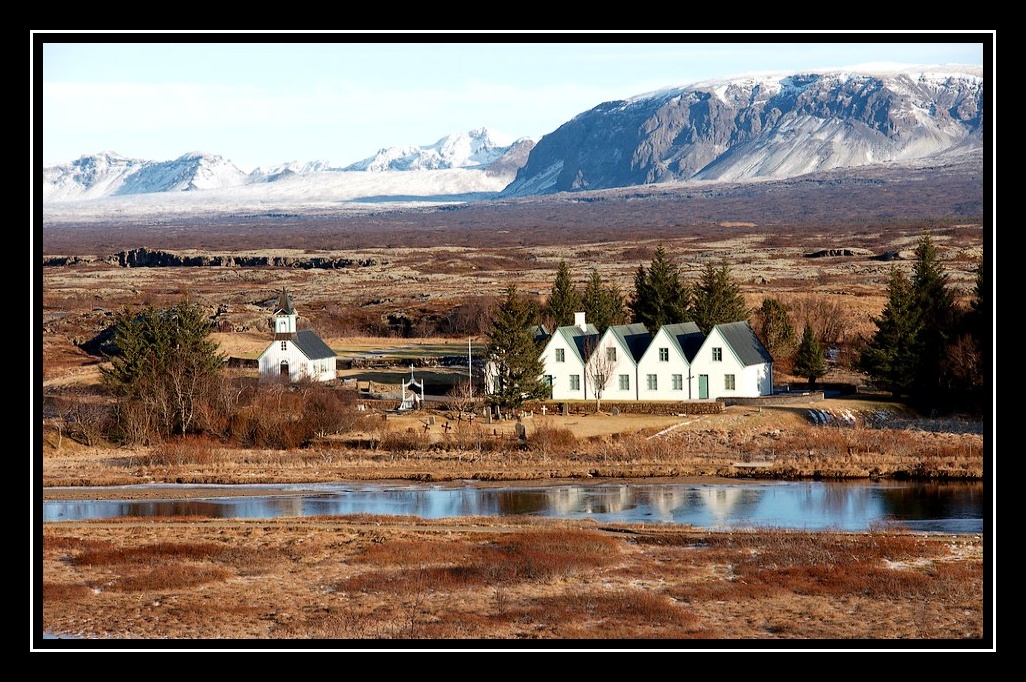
(978, 304)
(564, 300)
(808, 360)
(979, 318)
(660, 297)
(773, 325)
(935, 306)
(890, 356)
(163, 365)
(603, 304)
(515, 356)
(717, 298)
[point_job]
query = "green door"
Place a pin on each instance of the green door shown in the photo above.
(703, 386)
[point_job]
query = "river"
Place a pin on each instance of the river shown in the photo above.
(951, 507)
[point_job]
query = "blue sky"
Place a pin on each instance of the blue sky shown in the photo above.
(341, 97)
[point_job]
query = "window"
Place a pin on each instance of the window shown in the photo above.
(678, 382)
(548, 382)
(611, 354)
(664, 355)
(728, 382)
(717, 354)
(284, 345)
(652, 382)
(625, 382)
(560, 355)
(575, 382)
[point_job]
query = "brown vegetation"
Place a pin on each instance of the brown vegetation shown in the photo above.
(346, 580)
(524, 580)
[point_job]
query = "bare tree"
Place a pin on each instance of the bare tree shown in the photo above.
(599, 368)
(830, 320)
(461, 396)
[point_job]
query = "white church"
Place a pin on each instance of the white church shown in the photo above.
(295, 354)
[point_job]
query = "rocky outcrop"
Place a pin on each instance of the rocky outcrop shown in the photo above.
(836, 253)
(145, 258)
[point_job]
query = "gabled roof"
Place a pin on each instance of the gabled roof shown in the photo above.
(540, 334)
(746, 344)
(634, 337)
(686, 336)
(284, 306)
(579, 339)
(312, 346)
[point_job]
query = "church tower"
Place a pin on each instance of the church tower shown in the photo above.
(284, 318)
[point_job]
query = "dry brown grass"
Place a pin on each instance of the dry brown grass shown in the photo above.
(741, 442)
(367, 578)
(364, 578)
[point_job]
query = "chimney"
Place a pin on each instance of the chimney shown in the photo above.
(579, 321)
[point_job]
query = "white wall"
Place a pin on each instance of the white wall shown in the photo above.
(749, 382)
(664, 371)
(299, 366)
(624, 364)
(561, 371)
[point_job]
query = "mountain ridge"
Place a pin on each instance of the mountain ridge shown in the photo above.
(768, 126)
(751, 127)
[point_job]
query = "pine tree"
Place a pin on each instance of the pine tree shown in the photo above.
(891, 355)
(163, 365)
(660, 297)
(564, 300)
(935, 306)
(979, 318)
(603, 304)
(717, 299)
(808, 360)
(513, 353)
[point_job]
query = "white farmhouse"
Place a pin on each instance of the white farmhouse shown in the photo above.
(733, 363)
(676, 363)
(564, 356)
(664, 371)
(614, 367)
(295, 354)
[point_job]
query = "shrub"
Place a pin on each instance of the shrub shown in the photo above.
(556, 440)
(184, 450)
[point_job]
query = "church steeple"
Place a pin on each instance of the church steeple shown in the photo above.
(284, 317)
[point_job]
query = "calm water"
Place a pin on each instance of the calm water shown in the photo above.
(812, 505)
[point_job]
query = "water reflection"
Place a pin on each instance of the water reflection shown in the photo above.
(812, 505)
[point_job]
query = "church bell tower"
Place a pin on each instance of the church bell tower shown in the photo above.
(284, 318)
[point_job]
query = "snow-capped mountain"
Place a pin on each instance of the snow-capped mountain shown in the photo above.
(290, 168)
(762, 126)
(474, 149)
(109, 174)
(751, 127)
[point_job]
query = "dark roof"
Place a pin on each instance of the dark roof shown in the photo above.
(284, 306)
(540, 334)
(312, 346)
(687, 336)
(582, 341)
(746, 344)
(635, 337)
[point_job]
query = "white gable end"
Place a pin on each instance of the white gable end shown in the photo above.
(663, 371)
